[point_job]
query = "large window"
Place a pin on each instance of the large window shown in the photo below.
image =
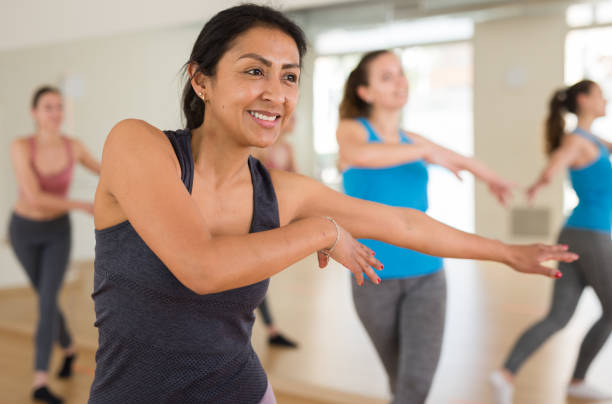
(440, 108)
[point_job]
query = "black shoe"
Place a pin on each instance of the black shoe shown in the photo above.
(280, 341)
(66, 370)
(42, 394)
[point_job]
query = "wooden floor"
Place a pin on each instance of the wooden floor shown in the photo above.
(488, 307)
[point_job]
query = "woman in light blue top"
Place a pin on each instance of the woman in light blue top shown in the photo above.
(587, 231)
(404, 316)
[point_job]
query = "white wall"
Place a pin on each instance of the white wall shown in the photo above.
(36, 22)
(518, 63)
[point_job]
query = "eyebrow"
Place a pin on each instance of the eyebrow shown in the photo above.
(266, 62)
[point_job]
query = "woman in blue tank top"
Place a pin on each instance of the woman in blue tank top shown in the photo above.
(404, 316)
(587, 231)
(189, 227)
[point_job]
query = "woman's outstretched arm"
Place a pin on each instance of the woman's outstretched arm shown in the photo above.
(355, 150)
(141, 179)
(409, 228)
(456, 162)
(560, 160)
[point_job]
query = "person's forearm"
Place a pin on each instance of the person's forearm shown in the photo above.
(480, 170)
(417, 231)
(230, 262)
(375, 155)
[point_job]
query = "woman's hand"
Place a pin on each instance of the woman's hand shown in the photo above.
(535, 187)
(529, 258)
(501, 189)
(356, 257)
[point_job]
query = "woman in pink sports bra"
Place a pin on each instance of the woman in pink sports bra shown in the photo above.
(39, 228)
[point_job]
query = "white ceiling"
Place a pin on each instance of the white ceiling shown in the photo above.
(26, 23)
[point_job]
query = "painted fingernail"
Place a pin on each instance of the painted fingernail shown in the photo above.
(382, 266)
(378, 281)
(558, 275)
(372, 253)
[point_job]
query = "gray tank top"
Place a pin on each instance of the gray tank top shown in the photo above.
(159, 342)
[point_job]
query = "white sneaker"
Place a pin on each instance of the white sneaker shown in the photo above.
(503, 390)
(584, 391)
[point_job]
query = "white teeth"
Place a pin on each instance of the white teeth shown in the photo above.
(262, 116)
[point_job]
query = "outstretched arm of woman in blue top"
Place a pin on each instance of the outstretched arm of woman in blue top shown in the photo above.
(498, 186)
(565, 156)
(355, 150)
(405, 227)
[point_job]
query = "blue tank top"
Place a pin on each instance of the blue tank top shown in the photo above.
(159, 342)
(403, 185)
(593, 185)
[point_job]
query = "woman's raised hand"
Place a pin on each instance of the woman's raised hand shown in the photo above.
(535, 187)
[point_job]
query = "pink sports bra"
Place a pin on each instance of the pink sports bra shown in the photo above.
(57, 183)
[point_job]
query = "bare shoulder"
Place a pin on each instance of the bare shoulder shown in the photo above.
(133, 133)
(19, 145)
(350, 131)
(133, 141)
(573, 141)
(350, 126)
(138, 139)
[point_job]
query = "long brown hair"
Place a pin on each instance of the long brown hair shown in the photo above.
(352, 105)
(563, 100)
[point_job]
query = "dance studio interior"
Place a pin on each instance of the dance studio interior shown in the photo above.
(473, 87)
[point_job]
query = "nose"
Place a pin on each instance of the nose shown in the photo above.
(273, 91)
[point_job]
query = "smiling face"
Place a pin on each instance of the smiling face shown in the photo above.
(387, 85)
(49, 112)
(254, 89)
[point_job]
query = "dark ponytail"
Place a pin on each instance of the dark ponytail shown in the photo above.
(216, 38)
(352, 105)
(563, 101)
(555, 123)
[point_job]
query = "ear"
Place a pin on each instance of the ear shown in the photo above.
(363, 93)
(581, 100)
(198, 80)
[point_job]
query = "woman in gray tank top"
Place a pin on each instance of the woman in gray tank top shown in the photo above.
(190, 228)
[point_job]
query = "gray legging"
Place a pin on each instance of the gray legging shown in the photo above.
(405, 320)
(594, 268)
(43, 248)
